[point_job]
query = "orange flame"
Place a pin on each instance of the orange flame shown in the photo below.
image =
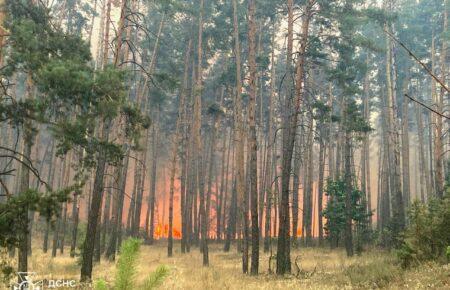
(158, 231)
(162, 231)
(176, 234)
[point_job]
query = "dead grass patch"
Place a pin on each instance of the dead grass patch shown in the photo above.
(332, 270)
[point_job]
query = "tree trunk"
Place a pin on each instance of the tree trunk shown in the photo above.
(439, 147)
(308, 187)
(107, 21)
(322, 154)
(424, 177)
(348, 233)
(197, 143)
(115, 222)
(219, 201)
(75, 220)
(405, 147)
(24, 186)
(51, 180)
(97, 193)
(366, 149)
(252, 142)
(59, 223)
(331, 134)
(211, 165)
(398, 210)
(106, 219)
(271, 149)
(150, 216)
(385, 180)
(239, 133)
(290, 123)
(176, 144)
(184, 154)
(63, 229)
(296, 183)
(136, 214)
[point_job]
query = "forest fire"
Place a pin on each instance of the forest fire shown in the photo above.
(162, 231)
(252, 131)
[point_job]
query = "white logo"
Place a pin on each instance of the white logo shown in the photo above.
(27, 282)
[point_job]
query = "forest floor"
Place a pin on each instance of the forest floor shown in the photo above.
(322, 269)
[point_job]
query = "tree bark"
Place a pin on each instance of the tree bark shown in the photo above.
(150, 216)
(348, 233)
(51, 180)
(398, 210)
(106, 219)
(283, 250)
(424, 176)
(97, 193)
(239, 134)
(308, 187)
(405, 148)
(115, 221)
(24, 186)
(322, 154)
(176, 144)
(439, 147)
(366, 149)
(252, 142)
(271, 149)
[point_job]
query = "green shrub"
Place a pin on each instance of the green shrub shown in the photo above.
(156, 278)
(427, 235)
(126, 266)
(126, 270)
(336, 213)
(100, 285)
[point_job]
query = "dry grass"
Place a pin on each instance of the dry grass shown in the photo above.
(323, 269)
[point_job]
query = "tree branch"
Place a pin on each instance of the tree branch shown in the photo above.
(419, 62)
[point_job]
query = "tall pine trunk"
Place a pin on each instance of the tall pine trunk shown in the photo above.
(290, 123)
(252, 142)
(239, 134)
(97, 195)
(176, 144)
(398, 210)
